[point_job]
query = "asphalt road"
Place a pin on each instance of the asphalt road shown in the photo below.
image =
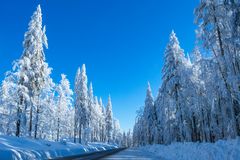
(91, 156)
(132, 154)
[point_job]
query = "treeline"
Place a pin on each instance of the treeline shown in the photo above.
(199, 98)
(32, 105)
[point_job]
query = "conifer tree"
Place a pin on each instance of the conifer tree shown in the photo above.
(77, 104)
(109, 120)
(149, 116)
(33, 75)
(83, 103)
(64, 103)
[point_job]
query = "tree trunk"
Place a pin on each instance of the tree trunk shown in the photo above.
(75, 131)
(30, 123)
(80, 134)
(58, 128)
(18, 123)
(36, 124)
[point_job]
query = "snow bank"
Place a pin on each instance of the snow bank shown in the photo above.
(221, 150)
(13, 148)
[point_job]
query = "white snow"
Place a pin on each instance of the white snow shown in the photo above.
(14, 148)
(221, 150)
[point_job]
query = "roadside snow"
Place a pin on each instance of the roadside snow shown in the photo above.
(13, 148)
(221, 150)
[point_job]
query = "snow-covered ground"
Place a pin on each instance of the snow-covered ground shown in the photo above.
(13, 148)
(221, 150)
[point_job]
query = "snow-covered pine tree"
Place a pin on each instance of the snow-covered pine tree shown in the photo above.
(50, 118)
(70, 122)
(129, 138)
(99, 117)
(109, 120)
(64, 102)
(95, 120)
(83, 104)
(77, 105)
(124, 139)
(199, 102)
(138, 133)
(9, 104)
(171, 87)
(103, 123)
(33, 76)
(116, 131)
(216, 31)
(150, 117)
(91, 112)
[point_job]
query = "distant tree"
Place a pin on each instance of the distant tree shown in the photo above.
(77, 104)
(109, 120)
(91, 109)
(116, 131)
(103, 123)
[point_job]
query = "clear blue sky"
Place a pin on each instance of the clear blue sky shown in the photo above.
(121, 42)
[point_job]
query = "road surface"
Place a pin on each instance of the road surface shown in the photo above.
(132, 154)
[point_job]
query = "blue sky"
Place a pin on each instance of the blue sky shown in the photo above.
(121, 42)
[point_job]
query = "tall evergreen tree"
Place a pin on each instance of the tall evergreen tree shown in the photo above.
(109, 120)
(91, 109)
(103, 123)
(33, 74)
(9, 104)
(215, 30)
(77, 104)
(150, 116)
(64, 105)
(83, 103)
(173, 64)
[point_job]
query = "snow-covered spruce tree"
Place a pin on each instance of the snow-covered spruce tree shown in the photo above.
(4, 107)
(91, 108)
(77, 105)
(95, 120)
(64, 103)
(161, 118)
(174, 65)
(208, 96)
(150, 117)
(199, 106)
(116, 131)
(103, 124)
(109, 120)
(138, 129)
(99, 118)
(41, 82)
(45, 117)
(81, 104)
(124, 139)
(9, 105)
(129, 138)
(50, 118)
(217, 28)
(70, 122)
(33, 76)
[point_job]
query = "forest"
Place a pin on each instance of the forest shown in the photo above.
(34, 106)
(199, 98)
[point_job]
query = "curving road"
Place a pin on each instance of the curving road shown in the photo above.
(132, 154)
